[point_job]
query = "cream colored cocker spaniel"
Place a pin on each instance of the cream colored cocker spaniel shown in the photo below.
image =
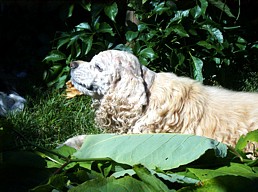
(130, 98)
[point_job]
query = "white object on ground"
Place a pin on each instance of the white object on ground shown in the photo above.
(11, 103)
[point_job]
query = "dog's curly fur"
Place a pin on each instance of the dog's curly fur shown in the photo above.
(130, 98)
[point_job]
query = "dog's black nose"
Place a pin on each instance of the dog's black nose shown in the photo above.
(74, 64)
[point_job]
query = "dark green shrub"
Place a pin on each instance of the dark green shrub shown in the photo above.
(201, 39)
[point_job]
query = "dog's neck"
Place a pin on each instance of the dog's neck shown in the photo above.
(148, 76)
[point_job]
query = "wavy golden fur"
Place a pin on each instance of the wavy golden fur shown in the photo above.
(130, 98)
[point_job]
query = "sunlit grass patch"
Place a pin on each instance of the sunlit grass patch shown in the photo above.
(50, 119)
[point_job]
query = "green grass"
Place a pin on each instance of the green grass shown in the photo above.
(251, 82)
(50, 119)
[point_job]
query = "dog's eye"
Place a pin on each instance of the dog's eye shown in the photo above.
(98, 67)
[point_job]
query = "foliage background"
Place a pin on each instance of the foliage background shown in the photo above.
(27, 41)
(201, 39)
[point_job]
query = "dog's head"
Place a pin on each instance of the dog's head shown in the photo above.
(112, 71)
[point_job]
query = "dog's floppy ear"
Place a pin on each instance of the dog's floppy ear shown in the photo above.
(132, 64)
(130, 80)
(130, 88)
(129, 84)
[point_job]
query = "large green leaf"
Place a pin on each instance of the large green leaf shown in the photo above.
(234, 177)
(223, 184)
(234, 169)
(165, 151)
(125, 184)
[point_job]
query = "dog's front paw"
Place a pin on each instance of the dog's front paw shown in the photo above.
(74, 142)
(139, 129)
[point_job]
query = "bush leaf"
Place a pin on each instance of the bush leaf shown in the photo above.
(151, 180)
(83, 26)
(222, 6)
(215, 33)
(131, 35)
(55, 56)
(147, 53)
(111, 11)
(197, 65)
(105, 28)
(165, 151)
